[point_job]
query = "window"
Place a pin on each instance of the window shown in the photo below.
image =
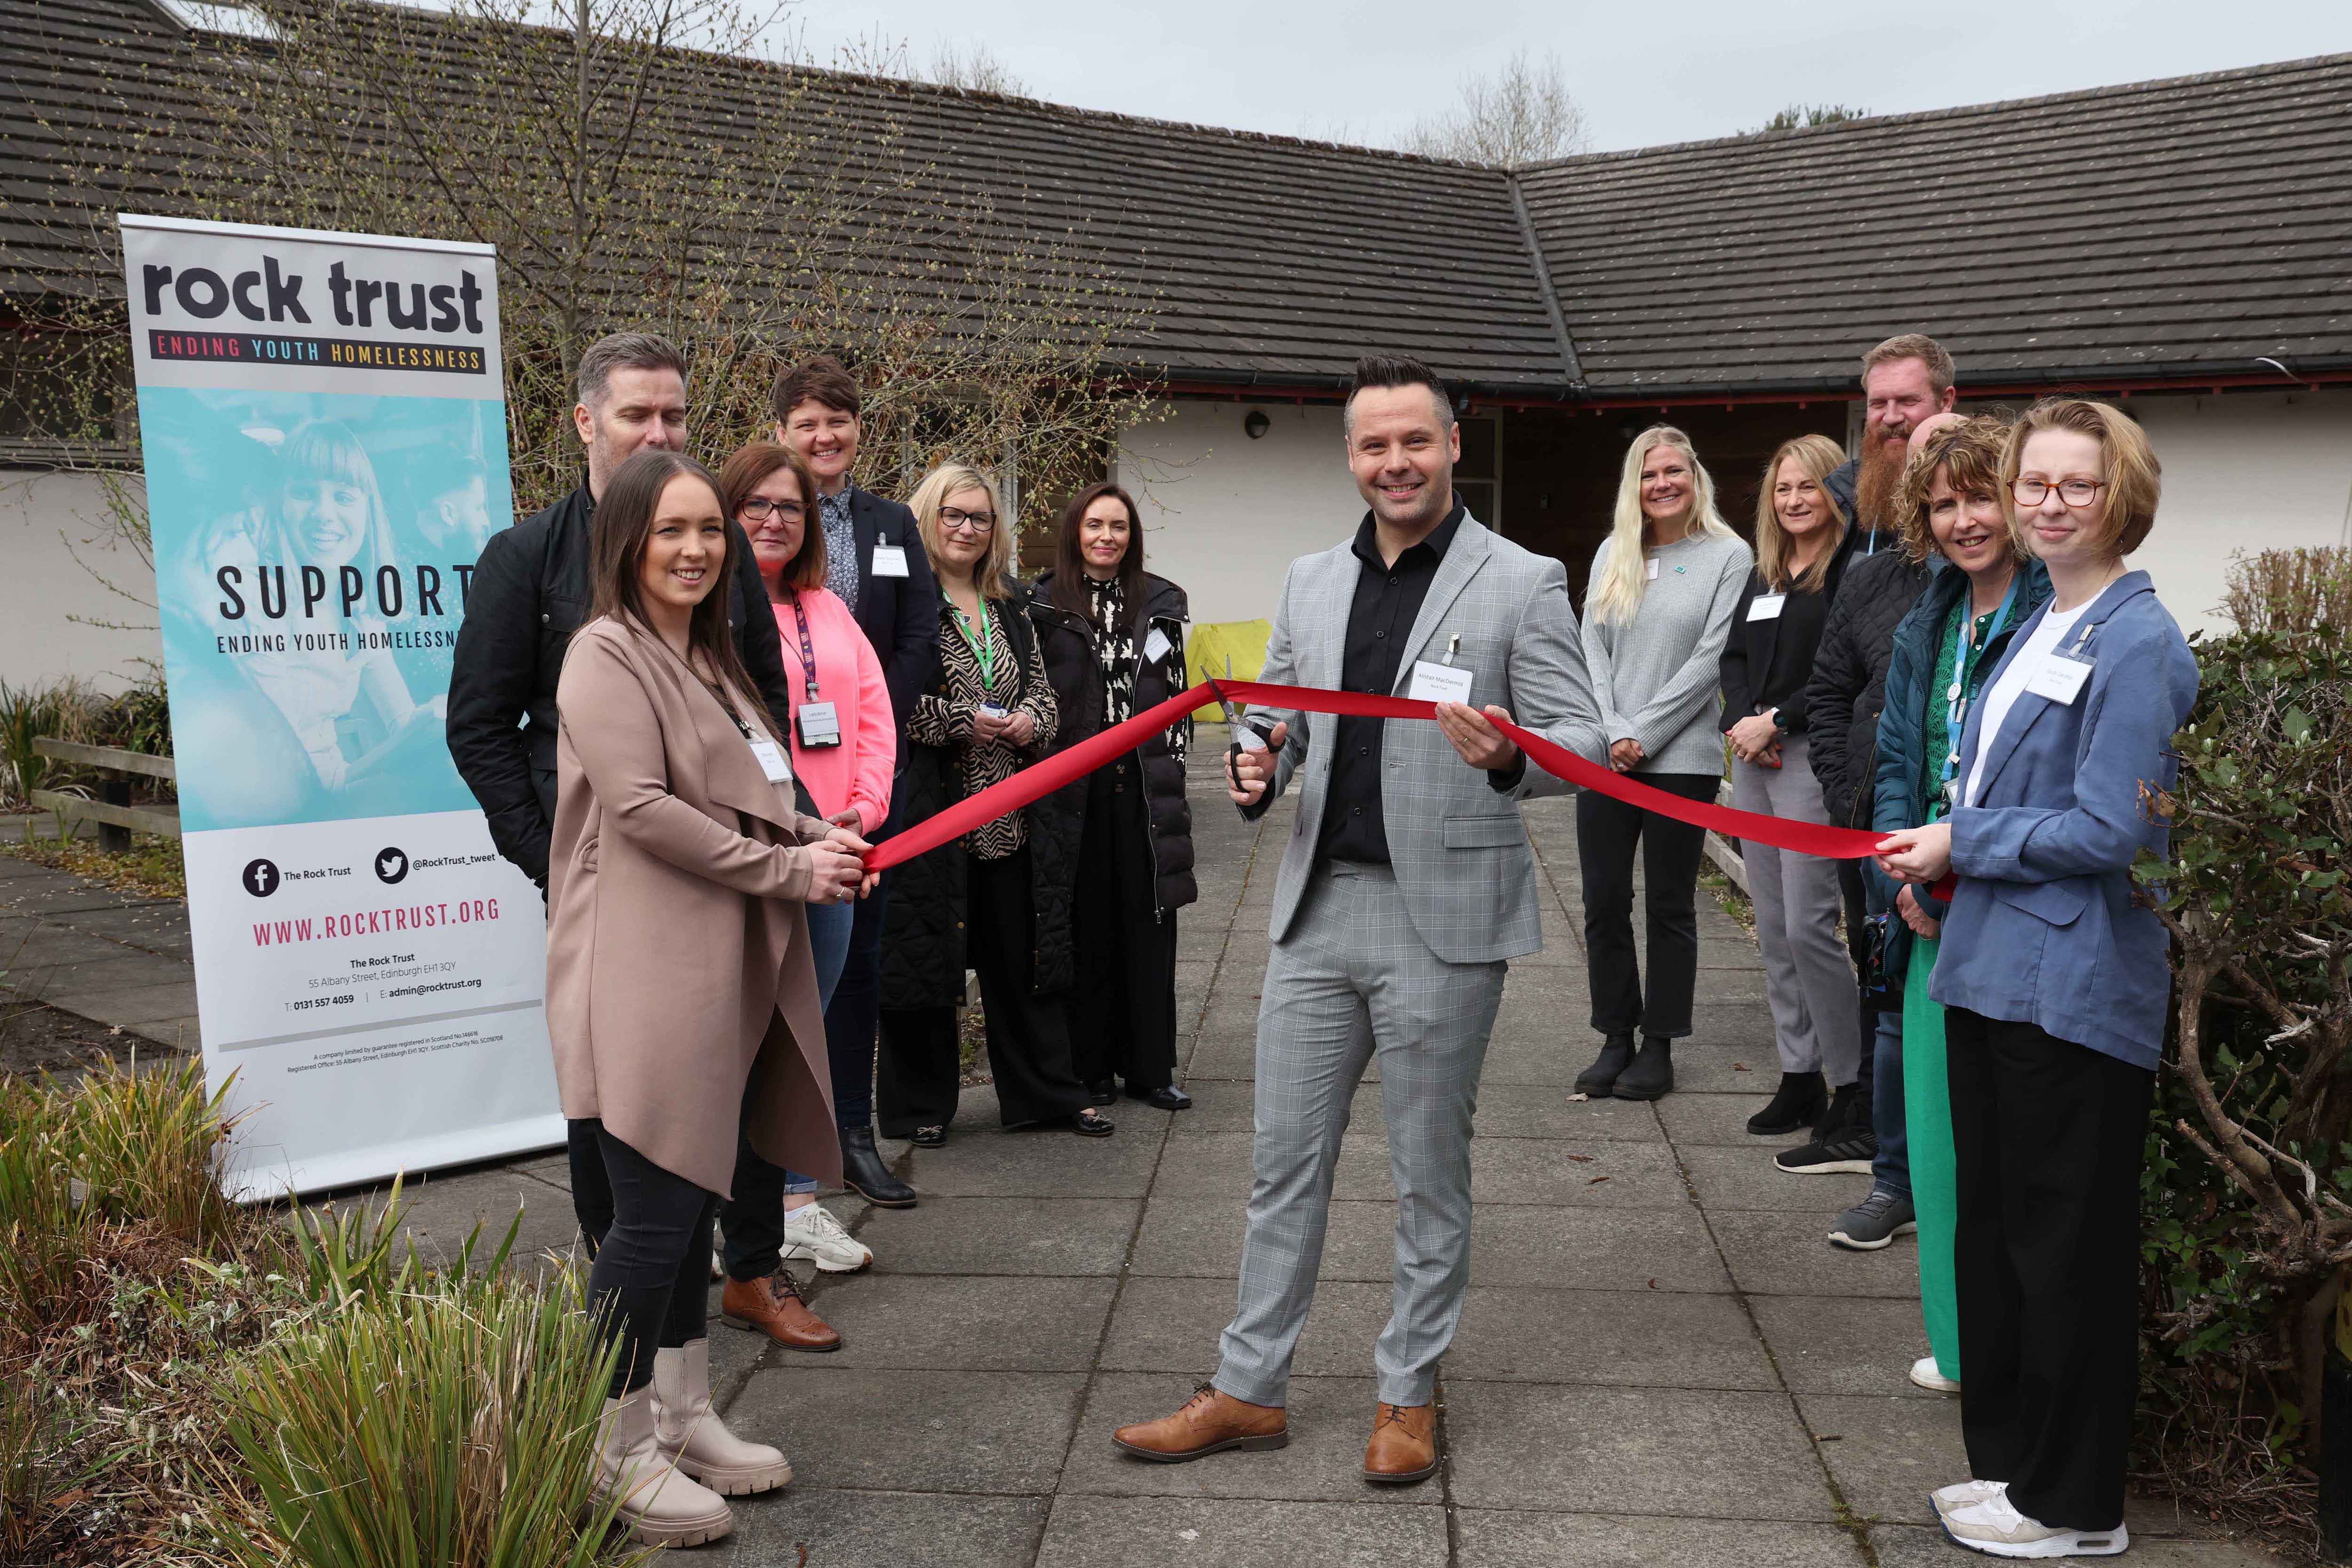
(1479, 475)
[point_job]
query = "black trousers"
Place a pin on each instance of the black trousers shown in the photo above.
(1857, 947)
(649, 1287)
(1608, 833)
(1122, 1005)
(851, 1017)
(2048, 1138)
(1028, 1035)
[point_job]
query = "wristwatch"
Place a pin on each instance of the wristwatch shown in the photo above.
(1780, 726)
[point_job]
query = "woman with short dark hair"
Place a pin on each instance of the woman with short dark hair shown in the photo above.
(1112, 637)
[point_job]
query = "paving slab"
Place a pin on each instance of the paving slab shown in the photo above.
(1041, 1163)
(1845, 1344)
(1586, 1449)
(877, 1529)
(1331, 1417)
(1692, 1116)
(1152, 1532)
(1889, 1452)
(911, 1322)
(1733, 1178)
(1171, 1325)
(130, 1004)
(1002, 1236)
(1776, 1254)
(956, 1431)
(1659, 1339)
(1494, 1538)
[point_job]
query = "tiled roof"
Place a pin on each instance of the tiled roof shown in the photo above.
(2156, 228)
(2168, 227)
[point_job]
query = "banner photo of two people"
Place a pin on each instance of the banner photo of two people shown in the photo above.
(324, 433)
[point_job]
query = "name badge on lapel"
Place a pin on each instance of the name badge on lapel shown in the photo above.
(1156, 647)
(1766, 606)
(1438, 683)
(2060, 677)
(773, 761)
(889, 560)
(1653, 568)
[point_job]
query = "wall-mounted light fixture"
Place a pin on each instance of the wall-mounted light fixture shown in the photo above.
(1254, 423)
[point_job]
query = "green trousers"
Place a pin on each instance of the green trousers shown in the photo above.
(1927, 1133)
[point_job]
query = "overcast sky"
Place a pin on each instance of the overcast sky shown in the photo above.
(1645, 74)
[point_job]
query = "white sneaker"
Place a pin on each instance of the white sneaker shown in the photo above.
(1924, 1373)
(813, 1235)
(1994, 1527)
(1964, 1494)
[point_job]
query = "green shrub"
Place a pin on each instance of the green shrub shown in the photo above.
(2248, 1232)
(452, 1424)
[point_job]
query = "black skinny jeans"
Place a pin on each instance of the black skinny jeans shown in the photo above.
(1608, 833)
(649, 1285)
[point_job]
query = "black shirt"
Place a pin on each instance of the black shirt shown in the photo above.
(1379, 622)
(1765, 663)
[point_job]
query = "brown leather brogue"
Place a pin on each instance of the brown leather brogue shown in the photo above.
(774, 1307)
(1210, 1423)
(1403, 1448)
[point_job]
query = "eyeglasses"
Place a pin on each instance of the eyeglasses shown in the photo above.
(759, 509)
(971, 521)
(2073, 492)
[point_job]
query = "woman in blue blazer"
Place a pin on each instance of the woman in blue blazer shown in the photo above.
(2056, 986)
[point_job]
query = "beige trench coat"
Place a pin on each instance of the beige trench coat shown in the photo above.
(677, 946)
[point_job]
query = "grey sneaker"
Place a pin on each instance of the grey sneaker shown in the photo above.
(1873, 1222)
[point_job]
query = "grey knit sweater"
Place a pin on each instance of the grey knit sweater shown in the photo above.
(1656, 676)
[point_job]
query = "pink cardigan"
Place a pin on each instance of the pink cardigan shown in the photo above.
(858, 772)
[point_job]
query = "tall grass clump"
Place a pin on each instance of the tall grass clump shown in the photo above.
(451, 1425)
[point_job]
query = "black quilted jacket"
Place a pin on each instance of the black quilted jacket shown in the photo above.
(1849, 684)
(923, 929)
(1067, 645)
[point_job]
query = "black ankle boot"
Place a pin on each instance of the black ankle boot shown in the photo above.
(1796, 1105)
(863, 1171)
(1652, 1073)
(1616, 1053)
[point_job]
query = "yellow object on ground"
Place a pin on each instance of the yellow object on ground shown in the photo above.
(1221, 648)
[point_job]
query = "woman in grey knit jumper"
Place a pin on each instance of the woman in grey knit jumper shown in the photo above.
(1656, 614)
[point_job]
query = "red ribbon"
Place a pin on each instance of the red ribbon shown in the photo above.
(1063, 767)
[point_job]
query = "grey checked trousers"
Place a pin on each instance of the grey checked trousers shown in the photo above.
(1353, 978)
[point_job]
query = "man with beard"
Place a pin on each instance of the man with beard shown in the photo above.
(1908, 383)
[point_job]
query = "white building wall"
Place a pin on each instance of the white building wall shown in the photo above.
(2242, 470)
(1224, 515)
(74, 600)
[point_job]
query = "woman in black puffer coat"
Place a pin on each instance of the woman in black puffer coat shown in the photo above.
(1112, 637)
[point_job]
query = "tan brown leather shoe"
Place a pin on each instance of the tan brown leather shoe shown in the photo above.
(1210, 1423)
(774, 1307)
(1403, 1448)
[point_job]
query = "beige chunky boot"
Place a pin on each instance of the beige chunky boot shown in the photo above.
(658, 1505)
(691, 1432)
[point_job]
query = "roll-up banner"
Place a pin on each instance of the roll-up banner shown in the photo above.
(324, 428)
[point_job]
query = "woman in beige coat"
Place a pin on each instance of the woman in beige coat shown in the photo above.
(680, 994)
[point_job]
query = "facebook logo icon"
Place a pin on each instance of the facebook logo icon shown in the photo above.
(260, 879)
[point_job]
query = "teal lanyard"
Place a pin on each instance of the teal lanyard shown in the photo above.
(1962, 692)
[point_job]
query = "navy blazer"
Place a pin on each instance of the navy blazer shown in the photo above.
(2042, 929)
(899, 616)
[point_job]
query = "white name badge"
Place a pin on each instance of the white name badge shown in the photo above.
(889, 560)
(773, 761)
(1438, 683)
(1156, 647)
(2060, 679)
(1653, 568)
(1766, 606)
(820, 725)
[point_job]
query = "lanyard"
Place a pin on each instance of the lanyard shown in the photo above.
(1962, 692)
(808, 649)
(983, 646)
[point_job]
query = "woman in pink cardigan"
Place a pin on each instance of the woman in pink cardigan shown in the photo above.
(845, 749)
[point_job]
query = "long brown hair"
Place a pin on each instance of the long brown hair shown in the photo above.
(747, 470)
(616, 563)
(1069, 592)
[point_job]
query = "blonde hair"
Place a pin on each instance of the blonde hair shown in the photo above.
(988, 574)
(1616, 593)
(1818, 455)
(1968, 456)
(2128, 466)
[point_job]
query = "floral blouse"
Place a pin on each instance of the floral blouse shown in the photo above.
(1017, 686)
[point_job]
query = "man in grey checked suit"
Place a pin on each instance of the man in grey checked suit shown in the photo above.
(1406, 884)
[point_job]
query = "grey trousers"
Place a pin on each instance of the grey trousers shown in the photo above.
(1808, 978)
(1353, 978)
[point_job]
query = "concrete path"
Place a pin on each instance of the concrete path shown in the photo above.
(1662, 1361)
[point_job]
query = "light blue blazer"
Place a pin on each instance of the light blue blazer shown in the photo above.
(2042, 929)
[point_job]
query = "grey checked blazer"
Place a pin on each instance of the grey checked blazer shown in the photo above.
(1458, 849)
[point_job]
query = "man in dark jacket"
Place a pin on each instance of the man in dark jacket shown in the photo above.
(530, 594)
(1907, 384)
